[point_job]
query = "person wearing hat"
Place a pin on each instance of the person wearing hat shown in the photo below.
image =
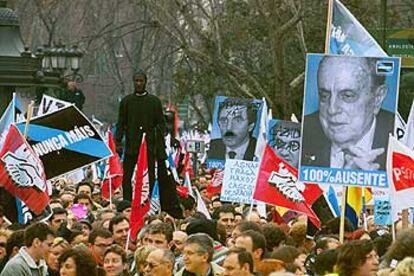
(124, 207)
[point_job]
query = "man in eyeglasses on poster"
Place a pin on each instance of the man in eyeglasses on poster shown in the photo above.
(284, 138)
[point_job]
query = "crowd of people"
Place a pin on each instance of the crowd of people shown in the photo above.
(237, 240)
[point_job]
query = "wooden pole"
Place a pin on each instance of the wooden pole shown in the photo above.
(343, 207)
(404, 218)
(29, 116)
(328, 25)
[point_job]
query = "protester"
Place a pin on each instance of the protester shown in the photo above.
(159, 262)
(179, 238)
(73, 94)
(160, 235)
(119, 227)
(254, 243)
(290, 255)
(13, 245)
(100, 240)
(238, 262)
(357, 258)
(4, 236)
(57, 248)
(225, 216)
(139, 113)
(59, 216)
(115, 261)
(140, 257)
(325, 262)
(77, 262)
(198, 254)
(30, 260)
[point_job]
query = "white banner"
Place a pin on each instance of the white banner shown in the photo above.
(239, 181)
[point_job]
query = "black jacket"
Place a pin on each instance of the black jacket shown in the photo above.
(139, 114)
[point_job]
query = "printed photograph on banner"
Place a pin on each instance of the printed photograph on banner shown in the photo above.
(65, 140)
(235, 128)
(348, 113)
(284, 138)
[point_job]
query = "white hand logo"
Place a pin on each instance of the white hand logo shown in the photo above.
(24, 169)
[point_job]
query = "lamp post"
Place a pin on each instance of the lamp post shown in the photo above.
(61, 59)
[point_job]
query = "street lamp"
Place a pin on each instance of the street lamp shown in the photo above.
(59, 59)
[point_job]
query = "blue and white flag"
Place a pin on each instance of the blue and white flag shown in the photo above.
(333, 200)
(155, 205)
(348, 37)
(65, 141)
(6, 119)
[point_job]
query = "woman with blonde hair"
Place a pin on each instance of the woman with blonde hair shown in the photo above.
(57, 248)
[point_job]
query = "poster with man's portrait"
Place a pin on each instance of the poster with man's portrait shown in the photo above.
(348, 113)
(235, 129)
(284, 138)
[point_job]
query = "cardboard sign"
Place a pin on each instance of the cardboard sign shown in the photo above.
(239, 181)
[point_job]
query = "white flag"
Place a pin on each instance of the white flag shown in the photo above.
(261, 139)
(201, 206)
(400, 168)
(409, 133)
(400, 127)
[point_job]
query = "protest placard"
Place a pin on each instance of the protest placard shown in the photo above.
(49, 104)
(284, 138)
(236, 126)
(239, 181)
(382, 211)
(349, 111)
(65, 140)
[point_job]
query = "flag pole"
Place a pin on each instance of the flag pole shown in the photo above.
(328, 26)
(29, 116)
(110, 192)
(343, 207)
(127, 241)
(364, 210)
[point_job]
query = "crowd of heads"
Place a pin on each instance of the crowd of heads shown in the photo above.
(237, 240)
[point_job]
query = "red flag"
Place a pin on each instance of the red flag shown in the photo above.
(277, 184)
(172, 108)
(22, 173)
(115, 173)
(141, 200)
(187, 167)
(214, 186)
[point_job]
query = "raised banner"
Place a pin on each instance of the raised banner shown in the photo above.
(400, 166)
(348, 37)
(49, 104)
(236, 127)
(284, 138)
(239, 181)
(348, 113)
(22, 173)
(382, 211)
(277, 184)
(65, 140)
